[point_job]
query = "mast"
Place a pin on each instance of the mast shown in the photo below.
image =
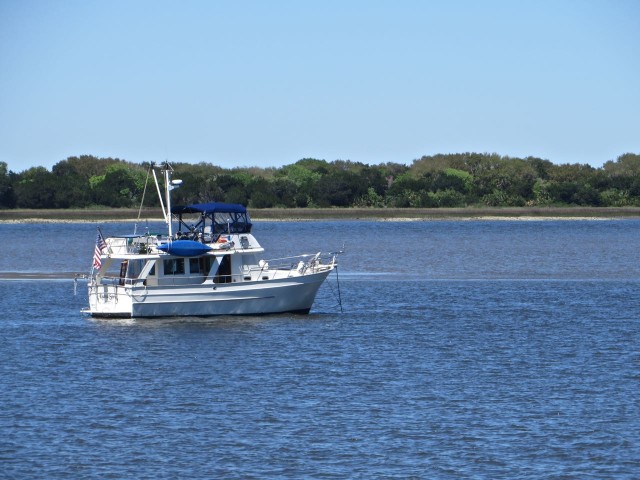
(168, 186)
(167, 189)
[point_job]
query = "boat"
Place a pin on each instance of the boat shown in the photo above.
(212, 265)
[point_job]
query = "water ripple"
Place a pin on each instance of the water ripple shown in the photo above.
(475, 377)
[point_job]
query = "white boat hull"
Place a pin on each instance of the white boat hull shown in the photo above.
(294, 294)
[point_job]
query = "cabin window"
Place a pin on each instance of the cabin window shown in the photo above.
(174, 266)
(200, 265)
(135, 268)
(205, 264)
(194, 265)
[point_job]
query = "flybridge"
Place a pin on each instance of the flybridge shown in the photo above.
(202, 221)
(212, 220)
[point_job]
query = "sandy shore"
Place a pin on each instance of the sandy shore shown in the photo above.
(41, 276)
(309, 214)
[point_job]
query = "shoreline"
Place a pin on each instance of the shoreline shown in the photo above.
(313, 214)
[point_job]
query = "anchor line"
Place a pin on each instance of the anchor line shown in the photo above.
(339, 294)
(333, 292)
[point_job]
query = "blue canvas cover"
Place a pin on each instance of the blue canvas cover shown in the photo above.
(185, 248)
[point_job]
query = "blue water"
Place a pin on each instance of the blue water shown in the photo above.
(470, 349)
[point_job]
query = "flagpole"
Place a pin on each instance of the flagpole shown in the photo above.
(95, 247)
(98, 250)
(103, 238)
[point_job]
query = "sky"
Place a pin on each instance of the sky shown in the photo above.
(267, 83)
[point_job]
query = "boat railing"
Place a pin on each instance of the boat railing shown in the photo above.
(265, 270)
(121, 281)
(295, 265)
(183, 280)
(132, 245)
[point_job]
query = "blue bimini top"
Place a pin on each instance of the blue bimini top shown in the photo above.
(215, 218)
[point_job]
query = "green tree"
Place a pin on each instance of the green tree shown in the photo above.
(286, 192)
(430, 181)
(446, 198)
(262, 194)
(370, 199)
(453, 179)
(300, 175)
(541, 192)
(623, 175)
(36, 188)
(7, 195)
(318, 166)
(71, 189)
(338, 189)
(120, 186)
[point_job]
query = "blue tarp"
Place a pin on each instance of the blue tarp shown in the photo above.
(185, 248)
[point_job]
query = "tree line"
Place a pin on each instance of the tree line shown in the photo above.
(444, 180)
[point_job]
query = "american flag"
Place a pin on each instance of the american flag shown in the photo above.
(100, 245)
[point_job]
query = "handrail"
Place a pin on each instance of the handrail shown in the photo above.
(265, 270)
(304, 255)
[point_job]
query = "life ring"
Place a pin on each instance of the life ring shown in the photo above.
(221, 239)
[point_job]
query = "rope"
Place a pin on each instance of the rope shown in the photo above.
(144, 192)
(339, 294)
(337, 297)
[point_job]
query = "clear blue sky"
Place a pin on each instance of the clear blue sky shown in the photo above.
(267, 83)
